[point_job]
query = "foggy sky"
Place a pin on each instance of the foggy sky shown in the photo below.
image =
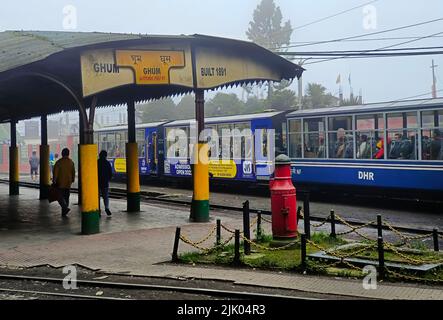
(380, 79)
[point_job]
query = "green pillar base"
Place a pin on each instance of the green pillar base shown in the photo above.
(44, 192)
(199, 211)
(90, 222)
(13, 188)
(133, 202)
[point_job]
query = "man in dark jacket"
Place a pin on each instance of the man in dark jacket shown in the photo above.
(104, 176)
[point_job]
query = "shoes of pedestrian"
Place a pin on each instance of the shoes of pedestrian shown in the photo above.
(65, 212)
(108, 212)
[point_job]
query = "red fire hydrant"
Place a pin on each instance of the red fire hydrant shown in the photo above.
(283, 201)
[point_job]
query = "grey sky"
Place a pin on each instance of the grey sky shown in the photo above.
(380, 79)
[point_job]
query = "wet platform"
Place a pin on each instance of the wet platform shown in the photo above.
(33, 233)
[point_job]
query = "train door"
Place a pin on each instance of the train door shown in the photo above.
(152, 151)
(264, 149)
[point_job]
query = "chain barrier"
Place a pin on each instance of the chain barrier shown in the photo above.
(338, 255)
(411, 260)
(205, 250)
(403, 236)
(318, 225)
(266, 220)
(207, 237)
(253, 222)
(255, 244)
(407, 277)
(353, 228)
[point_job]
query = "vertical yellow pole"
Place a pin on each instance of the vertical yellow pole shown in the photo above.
(89, 184)
(133, 177)
(14, 171)
(200, 199)
(132, 170)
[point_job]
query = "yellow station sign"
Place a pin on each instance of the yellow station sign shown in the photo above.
(105, 69)
(150, 67)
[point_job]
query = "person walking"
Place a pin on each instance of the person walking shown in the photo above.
(63, 177)
(104, 176)
(34, 163)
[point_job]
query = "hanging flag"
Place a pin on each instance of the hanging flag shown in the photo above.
(338, 79)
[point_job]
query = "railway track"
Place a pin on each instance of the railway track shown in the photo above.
(130, 287)
(145, 197)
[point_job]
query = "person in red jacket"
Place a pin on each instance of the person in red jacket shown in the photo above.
(380, 154)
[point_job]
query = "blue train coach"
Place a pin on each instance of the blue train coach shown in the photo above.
(238, 156)
(394, 146)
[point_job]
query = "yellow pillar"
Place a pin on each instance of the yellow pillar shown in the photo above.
(89, 185)
(200, 201)
(14, 171)
(45, 175)
(133, 177)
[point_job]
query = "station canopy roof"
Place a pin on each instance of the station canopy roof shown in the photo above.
(37, 67)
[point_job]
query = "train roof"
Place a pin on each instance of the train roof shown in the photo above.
(236, 118)
(137, 126)
(371, 107)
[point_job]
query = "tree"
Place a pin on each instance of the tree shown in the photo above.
(352, 101)
(164, 109)
(224, 104)
(282, 100)
(268, 30)
(186, 107)
(316, 97)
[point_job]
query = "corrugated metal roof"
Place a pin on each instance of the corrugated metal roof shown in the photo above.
(30, 53)
(372, 107)
(18, 48)
(137, 126)
(228, 119)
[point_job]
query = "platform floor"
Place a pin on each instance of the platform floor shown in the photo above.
(33, 233)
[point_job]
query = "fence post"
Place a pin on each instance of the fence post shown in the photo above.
(218, 233)
(307, 219)
(381, 258)
(298, 213)
(176, 242)
(333, 234)
(379, 226)
(435, 236)
(259, 226)
(303, 251)
(246, 228)
(237, 247)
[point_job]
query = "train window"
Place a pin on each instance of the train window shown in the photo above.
(177, 140)
(242, 141)
(295, 138)
(110, 142)
(314, 125)
(402, 144)
(120, 145)
(432, 144)
(428, 119)
(225, 141)
(141, 143)
(402, 136)
(341, 138)
(338, 123)
(395, 121)
(369, 142)
(102, 145)
(211, 137)
(314, 138)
